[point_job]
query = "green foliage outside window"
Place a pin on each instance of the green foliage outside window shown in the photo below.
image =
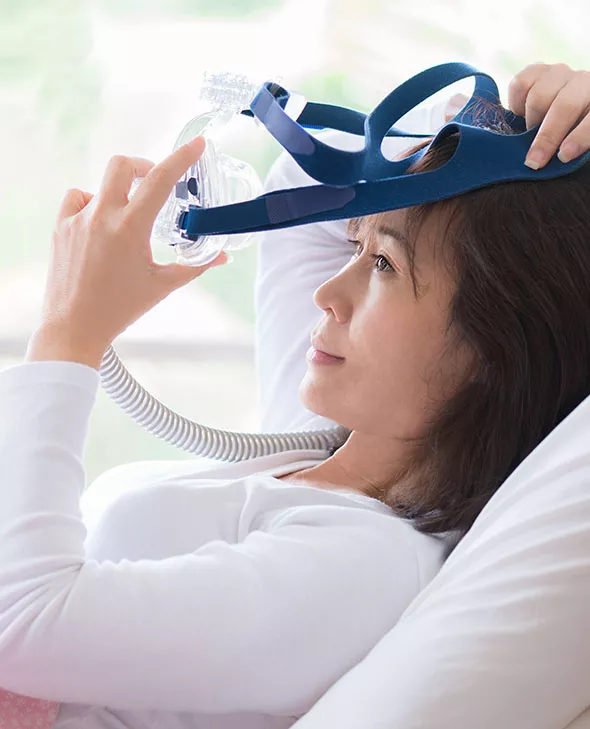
(190, 8)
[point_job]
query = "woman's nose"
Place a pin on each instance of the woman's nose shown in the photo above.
(335, 294)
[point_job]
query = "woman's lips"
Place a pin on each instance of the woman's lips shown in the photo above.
(319, 357)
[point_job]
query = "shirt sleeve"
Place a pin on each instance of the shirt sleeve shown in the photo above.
(292, 264)
(263, 625)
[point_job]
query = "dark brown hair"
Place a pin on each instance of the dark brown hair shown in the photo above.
(519, 254)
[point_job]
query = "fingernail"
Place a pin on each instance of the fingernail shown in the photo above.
(194, 142)
(535, 158)
(568, 151)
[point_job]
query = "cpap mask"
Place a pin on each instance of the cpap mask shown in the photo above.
(218, 203)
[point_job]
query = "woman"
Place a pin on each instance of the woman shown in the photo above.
(476, 332)
(232, 604)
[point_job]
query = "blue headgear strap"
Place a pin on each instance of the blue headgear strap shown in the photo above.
(366, 182)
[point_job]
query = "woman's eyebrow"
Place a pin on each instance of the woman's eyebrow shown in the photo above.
(400, 243)
(390, 231)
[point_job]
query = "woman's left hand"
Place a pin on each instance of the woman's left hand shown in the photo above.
(558, 98)
(102, 276)
(554, 96)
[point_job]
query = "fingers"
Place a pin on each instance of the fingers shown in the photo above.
(577, 142)
(73, 201)
(117, 179)
(532, 91)
(161, 179)
(521, 84)
(544, 92)
(567, 110)
(557, 99)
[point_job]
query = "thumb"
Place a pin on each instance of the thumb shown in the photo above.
(178, 274)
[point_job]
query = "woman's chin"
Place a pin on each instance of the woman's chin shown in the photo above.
(313, 399)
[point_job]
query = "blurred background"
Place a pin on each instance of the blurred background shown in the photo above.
(82, 80)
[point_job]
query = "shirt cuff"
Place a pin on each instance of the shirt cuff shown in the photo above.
(50, 371)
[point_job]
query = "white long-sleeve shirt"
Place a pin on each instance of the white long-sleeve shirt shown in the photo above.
(191, 595)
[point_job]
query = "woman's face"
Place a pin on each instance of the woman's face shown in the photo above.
(400, 362)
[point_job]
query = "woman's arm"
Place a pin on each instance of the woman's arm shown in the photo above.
(292, 263)
(261, 625)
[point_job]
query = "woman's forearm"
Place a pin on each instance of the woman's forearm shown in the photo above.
(63, 344)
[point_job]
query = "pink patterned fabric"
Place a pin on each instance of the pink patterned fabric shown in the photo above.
(18, 711)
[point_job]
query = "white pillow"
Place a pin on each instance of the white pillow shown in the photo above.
(500, 638)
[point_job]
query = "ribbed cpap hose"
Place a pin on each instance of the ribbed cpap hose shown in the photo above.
(198, 439)
(225, 94)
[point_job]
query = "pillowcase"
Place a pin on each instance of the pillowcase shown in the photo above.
(501, 636)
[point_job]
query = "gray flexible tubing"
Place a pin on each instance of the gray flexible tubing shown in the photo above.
(223, 445)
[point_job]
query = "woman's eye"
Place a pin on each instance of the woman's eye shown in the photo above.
(387, 266)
